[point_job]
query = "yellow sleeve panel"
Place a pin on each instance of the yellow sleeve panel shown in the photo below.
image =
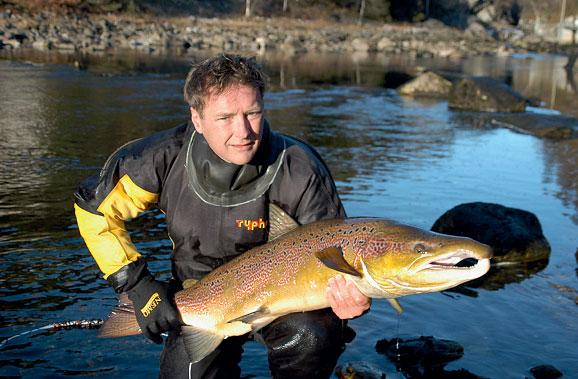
(106, 236)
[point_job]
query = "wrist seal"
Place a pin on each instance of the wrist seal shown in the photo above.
(128, 276)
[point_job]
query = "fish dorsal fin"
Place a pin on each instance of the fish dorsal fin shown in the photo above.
(332, 257)
(279, 222)
(188, 283)
(199, 343)
(396, 305)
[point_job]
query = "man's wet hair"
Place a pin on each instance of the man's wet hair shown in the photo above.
(214, 75)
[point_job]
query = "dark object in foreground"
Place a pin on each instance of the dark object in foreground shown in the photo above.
(546, 372)
(424, 357)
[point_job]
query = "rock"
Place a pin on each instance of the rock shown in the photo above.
(515, 235)
(428, 84)
(488, 14)
(476, 29)
(385, 44)
(359, 44)
(64, 45)
(261, 44)
(546, 372)
(359, 370)
(425, 354)
(41, 44)
(483, 94)
(540, 125)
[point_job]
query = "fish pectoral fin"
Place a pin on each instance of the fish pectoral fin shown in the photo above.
(199, 343)
(332, 257)
(279, 222)
(396, 305)
(250, 317)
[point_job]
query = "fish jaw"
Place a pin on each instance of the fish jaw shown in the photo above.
(447, 262)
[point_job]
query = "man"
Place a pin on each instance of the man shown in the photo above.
(209, 177)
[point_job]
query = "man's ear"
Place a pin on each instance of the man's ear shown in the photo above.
(197, 120)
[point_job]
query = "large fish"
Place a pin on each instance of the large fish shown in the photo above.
(290, 274)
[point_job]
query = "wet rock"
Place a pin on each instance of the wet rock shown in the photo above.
(424, 357)
(359, 370)
(540, 125)
(515, 235)
(546, 372)
(428, 84)
(483, 94)
(425, 351)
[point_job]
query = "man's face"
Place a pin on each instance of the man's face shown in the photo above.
(232, 123)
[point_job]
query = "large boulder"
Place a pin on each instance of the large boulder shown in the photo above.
(515, 235)
(483, 94)
(428, 84)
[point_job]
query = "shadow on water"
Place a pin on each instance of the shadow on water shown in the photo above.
(393, 157)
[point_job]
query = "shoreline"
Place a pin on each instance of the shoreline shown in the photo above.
(97, 33)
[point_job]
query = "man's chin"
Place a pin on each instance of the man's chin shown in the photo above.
(241, 159)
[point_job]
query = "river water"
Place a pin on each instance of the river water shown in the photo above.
(408, 160)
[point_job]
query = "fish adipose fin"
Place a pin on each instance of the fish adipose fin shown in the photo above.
(121, 321)
(332, 257)
(279, 222)
(199, 343)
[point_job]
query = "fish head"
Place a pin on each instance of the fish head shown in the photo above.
(406, 260)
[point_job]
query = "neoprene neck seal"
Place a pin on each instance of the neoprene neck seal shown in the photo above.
(224, 184)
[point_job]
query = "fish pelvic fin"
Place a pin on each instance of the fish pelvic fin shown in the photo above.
(253, 316)
(199, 343)
(396, 305)
(122, 320)
(279, 222)
(332, 257)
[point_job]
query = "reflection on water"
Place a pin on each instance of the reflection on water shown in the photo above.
(410, 160)
(562, 167)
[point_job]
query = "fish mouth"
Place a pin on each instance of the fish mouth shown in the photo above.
(460, 261)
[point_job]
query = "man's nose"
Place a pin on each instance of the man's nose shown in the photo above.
(242, 127)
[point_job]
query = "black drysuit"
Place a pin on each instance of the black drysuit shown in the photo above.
(214, 212)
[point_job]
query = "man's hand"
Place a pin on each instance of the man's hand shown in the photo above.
(345, 298)
(154, 308)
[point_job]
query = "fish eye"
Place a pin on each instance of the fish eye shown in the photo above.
(420, 248)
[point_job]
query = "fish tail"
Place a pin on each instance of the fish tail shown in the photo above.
(122, 320)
